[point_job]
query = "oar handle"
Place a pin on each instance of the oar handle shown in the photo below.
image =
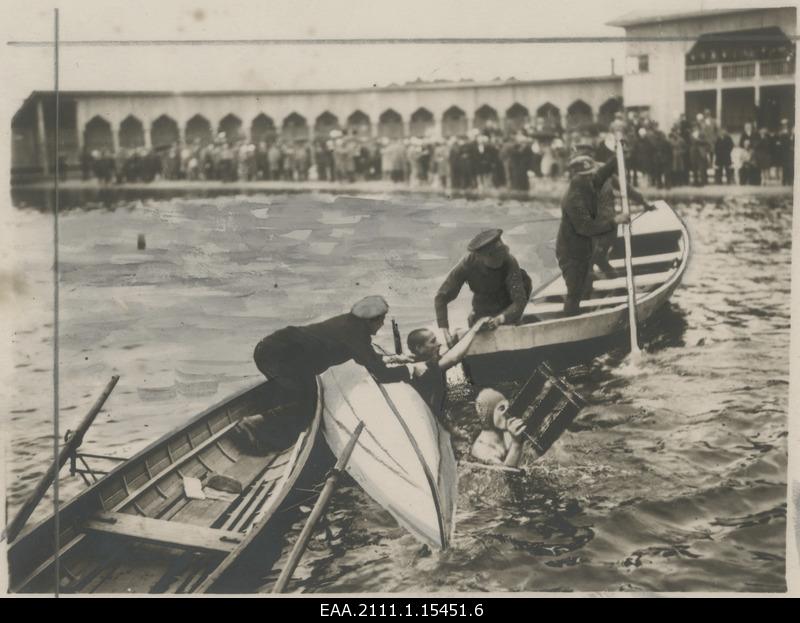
(316, 513)
(70, 446)
(626, 234)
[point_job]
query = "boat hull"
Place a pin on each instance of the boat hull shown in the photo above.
(403, 459)
(137, 531)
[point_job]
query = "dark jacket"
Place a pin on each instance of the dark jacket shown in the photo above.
(722, 151)
(579, 212)
(503, 290)
(314, 348)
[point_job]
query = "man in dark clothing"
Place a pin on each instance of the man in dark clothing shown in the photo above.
(722, 157)
(579, 223)
(784, 142)
(500, 288)
(293, 356)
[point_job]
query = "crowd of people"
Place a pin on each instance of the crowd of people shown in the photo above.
(694, 152)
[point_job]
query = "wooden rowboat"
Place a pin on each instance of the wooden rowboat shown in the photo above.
(403, 459)
(137, 531)
(660, 254)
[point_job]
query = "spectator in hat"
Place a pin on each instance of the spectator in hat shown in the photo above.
(579, 223)
(500, 288)
(785, 142)
(722, 157)
(762, 150)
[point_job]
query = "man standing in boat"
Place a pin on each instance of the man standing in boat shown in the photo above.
(579, 223)
(500, 288)
(293, 356)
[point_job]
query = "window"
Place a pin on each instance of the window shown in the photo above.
(639, 64)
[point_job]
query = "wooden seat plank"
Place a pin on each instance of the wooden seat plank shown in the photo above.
(170, 533)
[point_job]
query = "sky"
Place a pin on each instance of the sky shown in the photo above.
(209, 67)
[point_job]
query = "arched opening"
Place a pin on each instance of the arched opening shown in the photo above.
(295, 128)
(579, 115)
(454, 122)
(198, 130)
(164, 132)
(359, 124)
(421, 120)
(516, 118)
(390, 124)
(131, 133)
(97, 134)
(550, 116)
(262, 129)
(231, 127)
(325, 124)
(607, 110)
(485, 116)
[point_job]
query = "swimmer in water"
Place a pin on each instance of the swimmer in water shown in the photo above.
(500, 441)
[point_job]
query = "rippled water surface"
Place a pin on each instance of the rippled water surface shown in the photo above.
(674, 479)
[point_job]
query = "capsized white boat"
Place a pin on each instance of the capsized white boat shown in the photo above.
(403, 459)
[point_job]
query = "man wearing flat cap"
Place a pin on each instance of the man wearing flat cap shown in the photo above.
(580, 222)
(500, 288)
(293, 356)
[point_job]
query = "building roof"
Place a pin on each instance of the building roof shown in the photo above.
(643, 17)
(412, 86)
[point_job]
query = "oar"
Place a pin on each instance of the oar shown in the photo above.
(316, 513)
(70, 445)
(626, 234)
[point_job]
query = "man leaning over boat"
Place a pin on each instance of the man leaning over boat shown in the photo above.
(293, 356)
(500, 288)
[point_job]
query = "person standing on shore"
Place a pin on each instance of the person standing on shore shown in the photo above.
(722, 157)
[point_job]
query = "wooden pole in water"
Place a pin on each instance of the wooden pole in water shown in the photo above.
(316, 513)
(626, 234)
(70, 445)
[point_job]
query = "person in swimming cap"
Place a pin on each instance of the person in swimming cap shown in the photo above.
(501, 437)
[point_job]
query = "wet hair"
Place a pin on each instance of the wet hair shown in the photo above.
(417, 338)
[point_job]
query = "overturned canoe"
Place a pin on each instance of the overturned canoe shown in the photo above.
(137, 531)
(403, 459)
(661, 250)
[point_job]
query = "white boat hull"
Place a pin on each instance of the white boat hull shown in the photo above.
(403, 459)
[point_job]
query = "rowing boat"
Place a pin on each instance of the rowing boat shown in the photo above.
(660, 256)
(143, 529)
(403, 459)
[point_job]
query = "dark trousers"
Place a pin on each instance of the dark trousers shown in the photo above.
(578, 277)
(728, 174)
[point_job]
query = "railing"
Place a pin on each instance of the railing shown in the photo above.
(738, 71)
(703, 72)
(776, 68)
